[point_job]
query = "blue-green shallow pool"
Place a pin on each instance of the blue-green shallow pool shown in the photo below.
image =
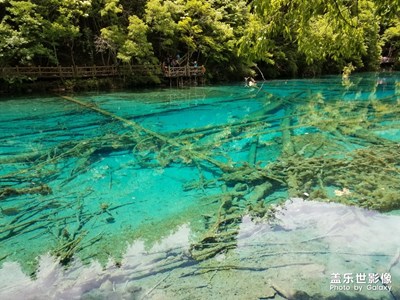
(176, 194)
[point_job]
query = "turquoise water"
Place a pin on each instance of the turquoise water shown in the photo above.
(220, 192)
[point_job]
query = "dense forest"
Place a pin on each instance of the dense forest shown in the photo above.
(283, 37)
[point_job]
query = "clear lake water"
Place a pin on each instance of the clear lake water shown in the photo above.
(286, 190)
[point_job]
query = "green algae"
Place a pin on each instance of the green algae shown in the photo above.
(328, 151)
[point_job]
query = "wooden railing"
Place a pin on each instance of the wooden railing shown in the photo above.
(60, 72)
(186, 71)
(100, 71)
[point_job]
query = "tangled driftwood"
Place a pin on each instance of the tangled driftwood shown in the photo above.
(318, 165)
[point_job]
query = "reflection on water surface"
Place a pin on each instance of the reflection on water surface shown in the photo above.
(172, 194)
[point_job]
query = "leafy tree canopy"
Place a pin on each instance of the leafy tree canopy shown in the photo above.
(286, 37)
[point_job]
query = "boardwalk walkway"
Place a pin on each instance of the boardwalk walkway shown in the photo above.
(101, 71)
(186, 71)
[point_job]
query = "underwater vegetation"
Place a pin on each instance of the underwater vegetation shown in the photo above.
(305, 145)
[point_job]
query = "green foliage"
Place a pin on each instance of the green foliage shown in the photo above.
(204, 30)
(136, 44)
(391, 40)
(20, 31)
(159, 18)
(393, 34)
(201, 30)
(257, 42)
(111, 39)
(33, 30)
(284, 37)
(162, 20)
(111, 8)
(323, 31)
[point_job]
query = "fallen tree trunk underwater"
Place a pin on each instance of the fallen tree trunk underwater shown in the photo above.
(313, 165)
